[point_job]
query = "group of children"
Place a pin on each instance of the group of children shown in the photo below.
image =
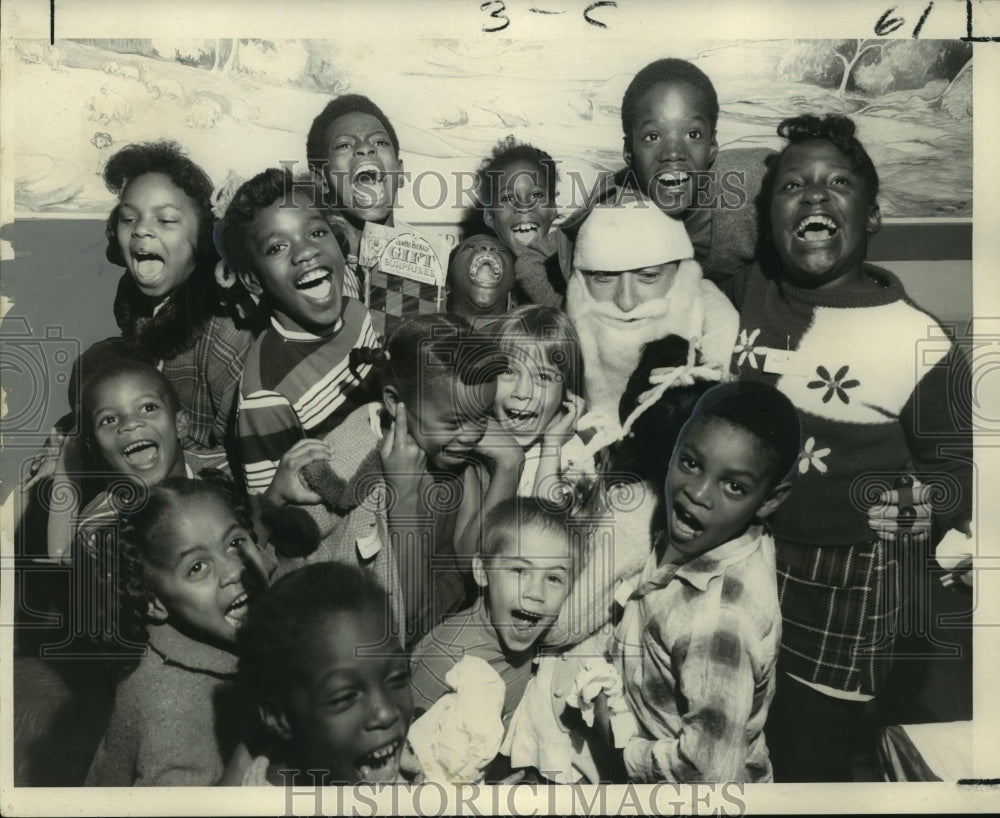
(454, 555)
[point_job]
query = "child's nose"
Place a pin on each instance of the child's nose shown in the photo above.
(305, 251)
(532, 586)
(815, 192)
(142, 227)
(625, 296)
(383, 711)
(231, 569)
(364, 148)
(673, 148)
(699, 490)
(522, 386)
(129, 422)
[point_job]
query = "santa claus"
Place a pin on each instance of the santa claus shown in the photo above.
(635, 280)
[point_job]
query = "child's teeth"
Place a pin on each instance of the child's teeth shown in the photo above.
(142, 453)
(816, 228)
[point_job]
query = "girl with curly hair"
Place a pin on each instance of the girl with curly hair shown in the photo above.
(168, 305)
(178, 581)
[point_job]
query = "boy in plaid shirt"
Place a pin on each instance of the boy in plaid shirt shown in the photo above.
(698, 642)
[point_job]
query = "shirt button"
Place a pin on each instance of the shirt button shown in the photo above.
(558, 693)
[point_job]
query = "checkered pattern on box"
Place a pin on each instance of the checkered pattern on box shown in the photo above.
(392, 298)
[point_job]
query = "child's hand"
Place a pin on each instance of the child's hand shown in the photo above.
(602, 719)
(885, 519)
(563, 426)
(499, 447)
(287, 488)
(404, 463)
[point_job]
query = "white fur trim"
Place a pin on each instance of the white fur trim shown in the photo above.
(630, 236)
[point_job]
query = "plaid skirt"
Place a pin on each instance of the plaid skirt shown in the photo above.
(840, 607)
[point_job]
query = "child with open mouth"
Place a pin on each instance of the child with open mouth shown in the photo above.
(297, 382)
(353, 152)
(480, 279)
(517, 192)
(133, 428)
(697, 644)
(332, 681)
(842, 339)
(168, 305)
(524, 568)
(182, 577)
(537, 400)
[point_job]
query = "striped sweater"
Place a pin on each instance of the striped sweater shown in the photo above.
(297, 385)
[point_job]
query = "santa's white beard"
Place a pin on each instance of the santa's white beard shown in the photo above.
(611, 340)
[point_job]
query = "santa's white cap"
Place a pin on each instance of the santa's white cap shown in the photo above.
(629, 236)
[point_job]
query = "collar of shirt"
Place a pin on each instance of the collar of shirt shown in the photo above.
(178, 649)
(700, 571)
(295, 335)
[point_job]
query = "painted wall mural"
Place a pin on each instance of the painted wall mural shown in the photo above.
(244, 104)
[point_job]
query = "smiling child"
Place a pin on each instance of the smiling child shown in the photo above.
(839, 337)
(297, 381)
(133, 426)
(525, 569)
(168, 305)
(353, 150)
(517, 191)
(480, 278)
(333, 685)
(181, 574)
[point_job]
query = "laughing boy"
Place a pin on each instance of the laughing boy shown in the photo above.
(298, 381)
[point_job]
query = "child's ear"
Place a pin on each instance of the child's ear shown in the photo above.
(156, 611)
(400, 177)
(773, 499)
(274, 719)
(182, 420)
(479, 571)
(714, 150)
(250, 282)
(873, 222)
(488, 218)
(627, 153)
(391, 399)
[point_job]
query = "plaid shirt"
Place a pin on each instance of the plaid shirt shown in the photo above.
(206, 378)
(696, 650)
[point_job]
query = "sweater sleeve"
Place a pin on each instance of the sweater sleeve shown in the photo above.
(429, 664)
(537, 271)
(227, 349)
(937, 422)
(267, 427)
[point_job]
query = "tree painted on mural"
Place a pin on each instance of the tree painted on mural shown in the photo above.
(860, 70)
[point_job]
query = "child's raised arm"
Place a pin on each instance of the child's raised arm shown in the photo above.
(504, 458)
(404, 464)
